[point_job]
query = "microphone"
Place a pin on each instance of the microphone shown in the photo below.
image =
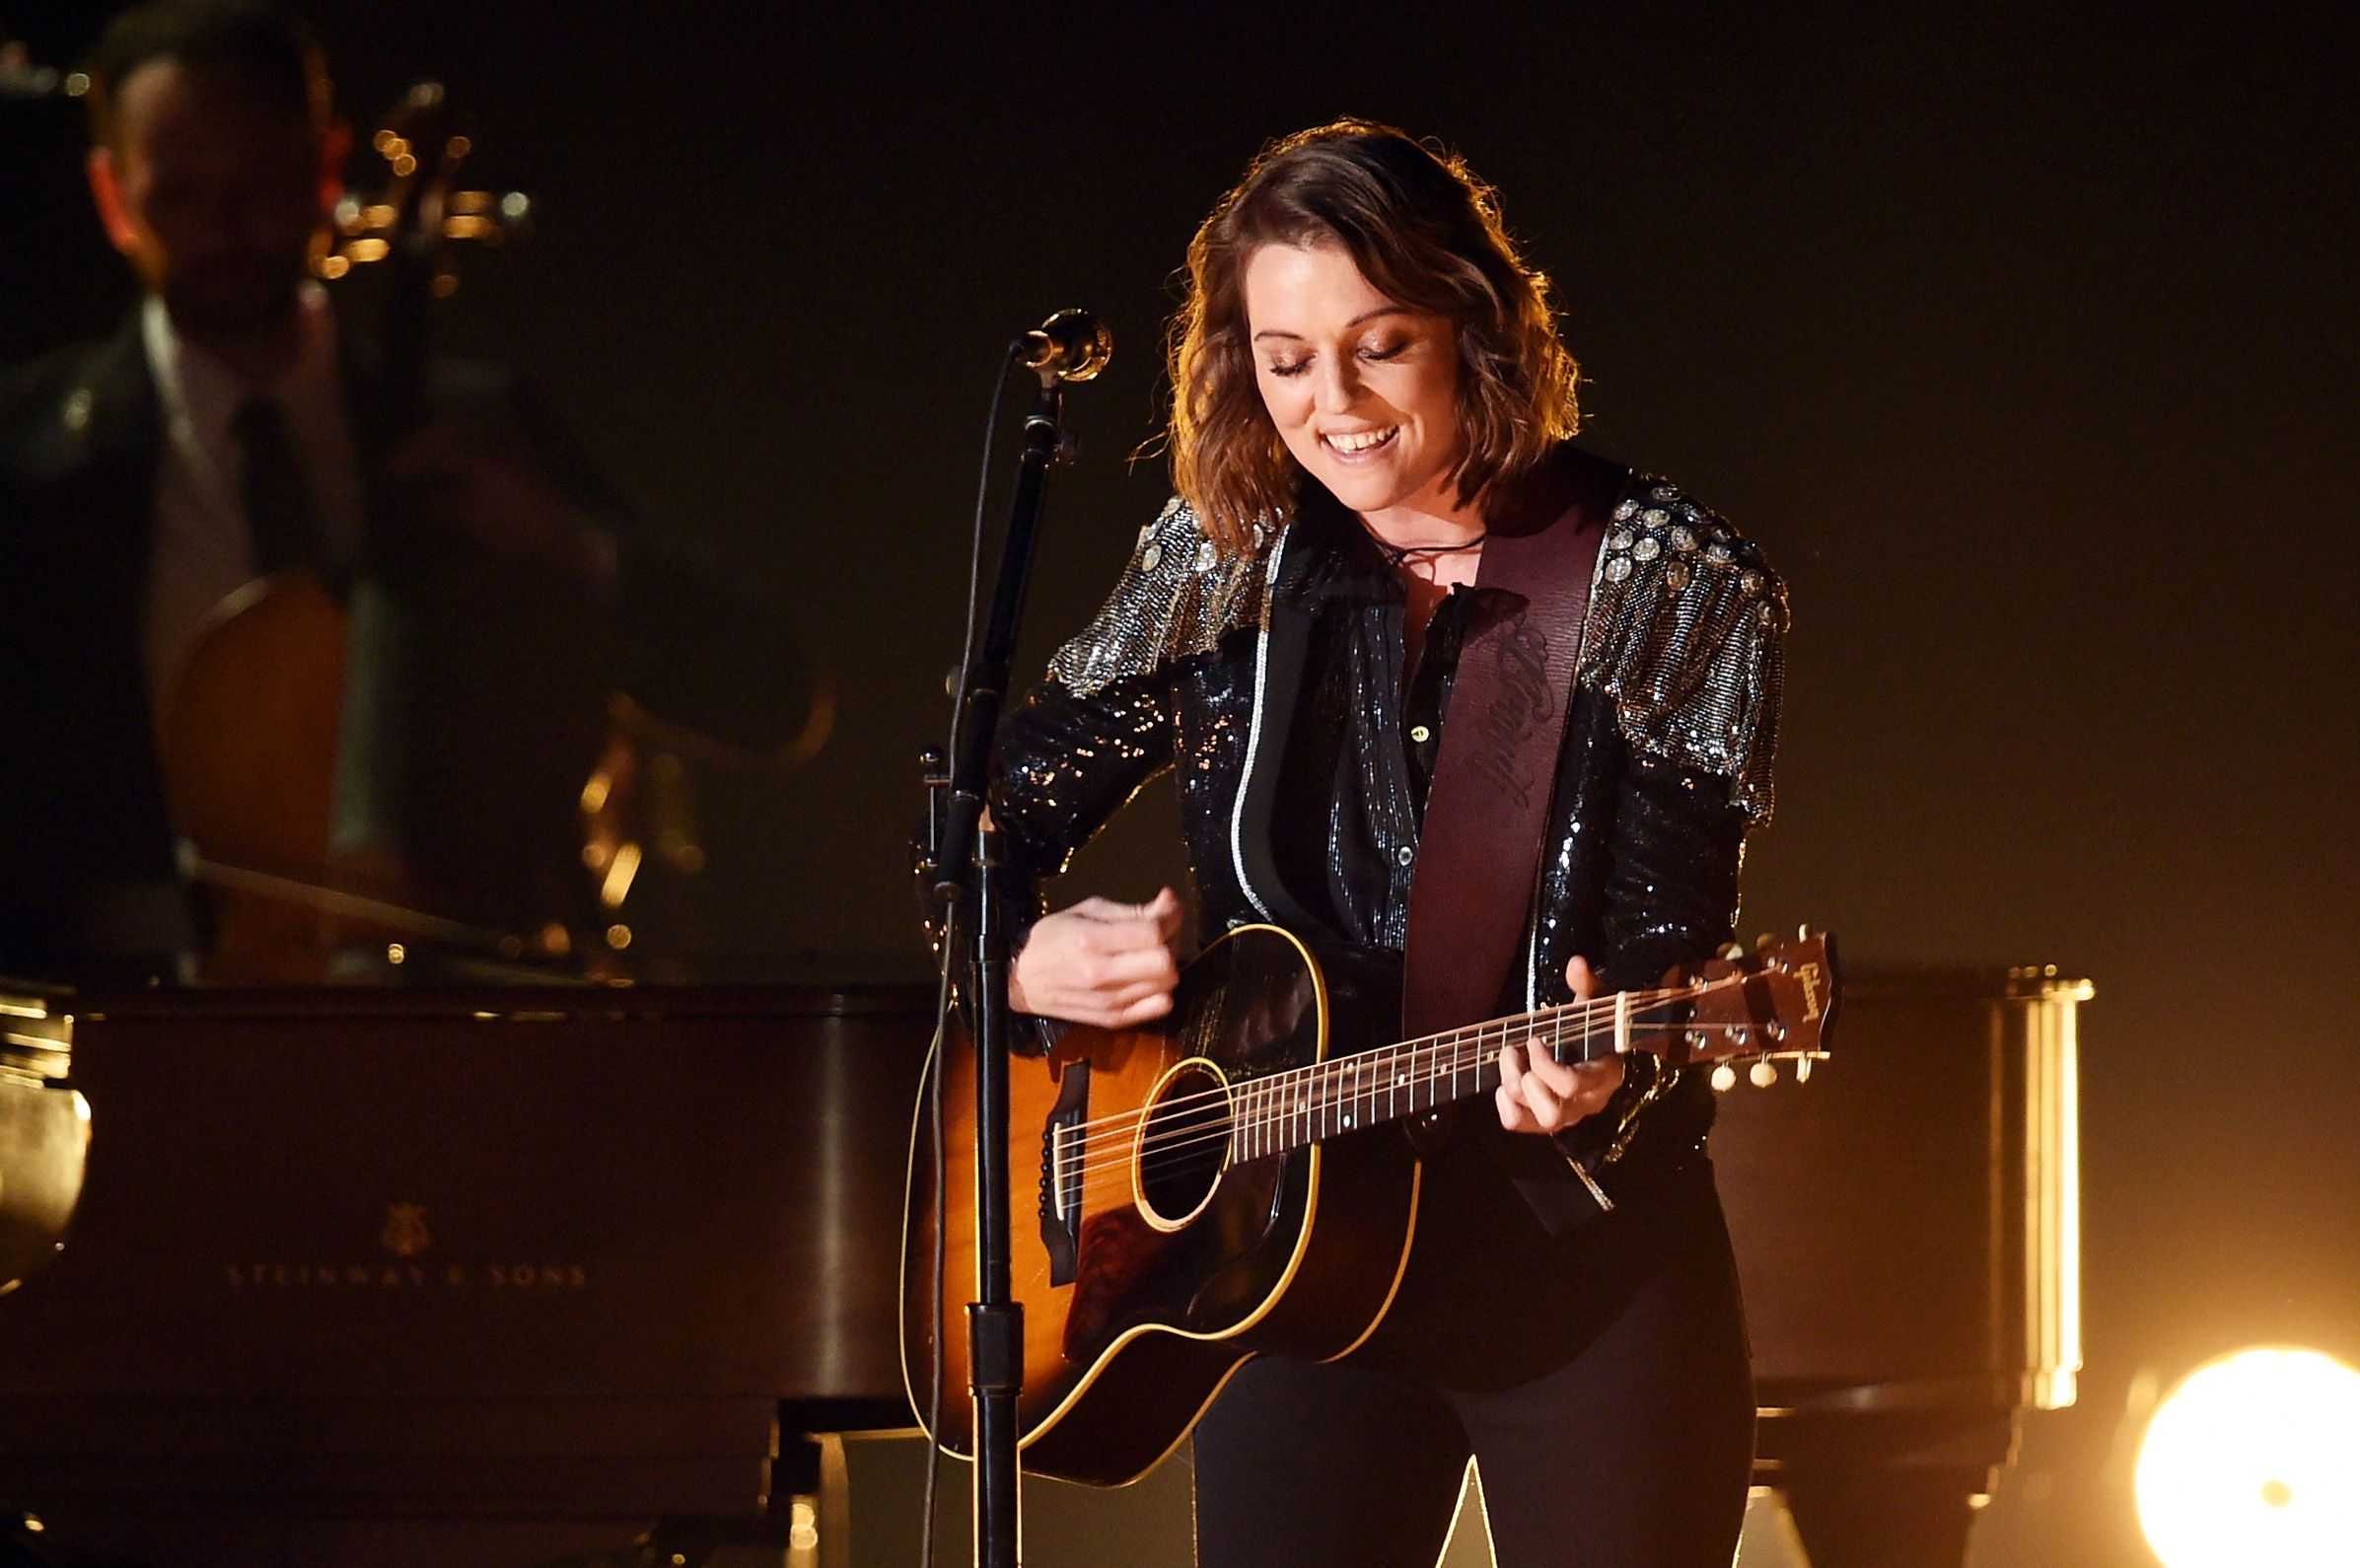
(1071, 345)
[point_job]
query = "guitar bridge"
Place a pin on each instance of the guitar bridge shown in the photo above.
(1064, 1160)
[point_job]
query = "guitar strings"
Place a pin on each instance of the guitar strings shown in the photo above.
(1210, 1138)
(1544, 1022)
(1324, 1085)
(1459, 1064)
(1556, 1017)
(1211, 1130)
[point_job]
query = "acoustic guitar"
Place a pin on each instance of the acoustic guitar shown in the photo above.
(1225, 1183)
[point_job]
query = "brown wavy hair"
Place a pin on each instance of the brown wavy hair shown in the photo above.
(1426, 233)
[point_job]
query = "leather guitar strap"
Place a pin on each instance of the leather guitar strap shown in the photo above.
(1487, 807)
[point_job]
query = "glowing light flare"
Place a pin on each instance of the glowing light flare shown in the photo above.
(618, 883)
(2253, 1462)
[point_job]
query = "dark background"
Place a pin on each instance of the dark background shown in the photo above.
(2024, 343)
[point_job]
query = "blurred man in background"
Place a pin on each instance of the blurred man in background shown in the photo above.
(239, 430)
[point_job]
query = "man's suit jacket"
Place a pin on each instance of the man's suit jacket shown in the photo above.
(504, 663)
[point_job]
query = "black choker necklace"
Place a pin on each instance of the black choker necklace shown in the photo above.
(1397, 555)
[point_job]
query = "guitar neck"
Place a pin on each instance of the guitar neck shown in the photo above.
(1291, 1109)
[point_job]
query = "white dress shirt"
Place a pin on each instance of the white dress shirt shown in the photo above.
(203, 550)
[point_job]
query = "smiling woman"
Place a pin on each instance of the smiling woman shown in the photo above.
(1394, 255)
(1363, 391)
(1368, 391)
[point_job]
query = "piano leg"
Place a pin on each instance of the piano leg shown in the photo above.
(1884, 1515)
(1891, 1488)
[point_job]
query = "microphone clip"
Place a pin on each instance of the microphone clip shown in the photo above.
(1070, 346)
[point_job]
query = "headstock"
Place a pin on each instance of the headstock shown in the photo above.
(1779, 1000)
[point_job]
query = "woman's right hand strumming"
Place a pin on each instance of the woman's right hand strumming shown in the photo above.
(1101, 962)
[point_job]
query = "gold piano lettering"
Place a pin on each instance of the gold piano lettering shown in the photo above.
(546, 1276)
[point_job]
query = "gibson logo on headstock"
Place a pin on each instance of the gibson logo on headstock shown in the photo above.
(1814, 981)
(406, 1237)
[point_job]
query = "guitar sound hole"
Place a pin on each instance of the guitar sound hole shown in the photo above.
(1184, 1145)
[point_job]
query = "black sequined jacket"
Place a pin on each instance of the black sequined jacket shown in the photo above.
(1195, 663)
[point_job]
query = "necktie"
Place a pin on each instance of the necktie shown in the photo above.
(279, 510)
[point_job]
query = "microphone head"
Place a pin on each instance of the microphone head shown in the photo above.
(1071, 345)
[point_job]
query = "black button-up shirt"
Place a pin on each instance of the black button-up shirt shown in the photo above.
(1361, 754)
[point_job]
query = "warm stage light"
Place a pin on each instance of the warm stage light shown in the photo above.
(2253, 1462)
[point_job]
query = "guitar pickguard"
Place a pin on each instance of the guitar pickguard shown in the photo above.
(1151, 1250)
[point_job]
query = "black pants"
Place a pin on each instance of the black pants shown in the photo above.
(1599, 1380)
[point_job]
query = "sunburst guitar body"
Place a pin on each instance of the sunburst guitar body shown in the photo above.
(1224, 1183)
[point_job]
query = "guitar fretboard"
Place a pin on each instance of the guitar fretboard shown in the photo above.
(1287, 1111)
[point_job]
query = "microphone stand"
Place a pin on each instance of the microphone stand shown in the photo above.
(967, 843)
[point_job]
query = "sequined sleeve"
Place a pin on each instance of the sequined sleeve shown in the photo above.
(1179, 594)
(1685, 622)
(1067, 762)
(1100, 726)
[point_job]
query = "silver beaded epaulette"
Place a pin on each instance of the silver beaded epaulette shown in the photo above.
(1684, 633)
(1179, 594)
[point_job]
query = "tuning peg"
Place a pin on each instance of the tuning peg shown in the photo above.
(1725, 1078)
(1765, 941)
(1763, 1073)
(1730, 950)
(1803, 932)
(1802, 1069)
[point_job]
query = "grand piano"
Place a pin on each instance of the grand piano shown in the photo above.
(510, 1274)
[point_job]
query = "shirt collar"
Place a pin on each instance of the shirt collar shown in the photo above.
(1341, 560)
(201, 396)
